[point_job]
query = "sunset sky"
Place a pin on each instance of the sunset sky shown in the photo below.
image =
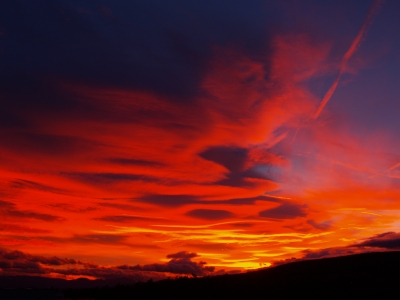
(153, 138)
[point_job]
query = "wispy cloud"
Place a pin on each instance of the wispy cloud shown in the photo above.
(349, 53)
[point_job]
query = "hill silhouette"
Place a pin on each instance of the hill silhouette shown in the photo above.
(355, 276)
(36, 282)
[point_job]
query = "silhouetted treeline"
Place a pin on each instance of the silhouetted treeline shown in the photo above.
(356, 276)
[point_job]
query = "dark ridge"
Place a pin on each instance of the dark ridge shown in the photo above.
(36, 282)
(354, 276)
(357, 276)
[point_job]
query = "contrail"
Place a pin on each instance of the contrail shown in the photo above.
(394, 167)
(353, 48)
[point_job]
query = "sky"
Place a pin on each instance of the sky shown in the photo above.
(159, 138)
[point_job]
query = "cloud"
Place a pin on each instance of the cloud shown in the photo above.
(329, 252)
(135, 162)
(180, 263)
(24, 214)
(170, 200)
(120, 206)
(387, 240)
(6, 204)
(82, 240)
(72, 208)
(349, 53)
(238, 163)
(232, 158)
(21, 256)
(210, 214)
(8, 210)
(20, 263)
(251, 200)
(242, 224)
(321, 253)
(98, 238)
(21, 229)
(99, 178)
(27, 184)
(182, 255)
(43, 144)
(285, 211)
(180, 200)
(325, 225)
(125, 218)
(173, 108)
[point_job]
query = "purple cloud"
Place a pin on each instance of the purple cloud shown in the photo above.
(8, 209)
(321, 226)
(285, 211)
(210, 214)
(20, 263)
(387, 240)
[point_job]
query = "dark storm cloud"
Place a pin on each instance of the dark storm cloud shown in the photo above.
(387, 240)
(210, 214)
(285, 211)
(9, 210)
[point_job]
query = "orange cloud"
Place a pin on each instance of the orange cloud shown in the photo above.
(136, 173)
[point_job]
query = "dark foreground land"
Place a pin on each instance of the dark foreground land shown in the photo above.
(370, 276)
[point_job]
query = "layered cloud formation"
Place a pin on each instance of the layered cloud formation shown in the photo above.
(129, 129)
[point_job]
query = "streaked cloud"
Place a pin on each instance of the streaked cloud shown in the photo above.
(129, 129)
